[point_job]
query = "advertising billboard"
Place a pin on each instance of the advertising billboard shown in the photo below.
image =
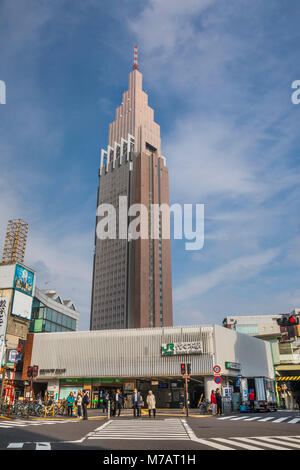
(22, 304)
(24, 280)
(4, 305)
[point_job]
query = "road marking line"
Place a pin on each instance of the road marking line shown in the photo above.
(267, 419)
(252, 419)
(237, 444)
(43, 446)
(240, 417)
(263, 444)
(295, 420)
(15, 445)
(227, 417)
(280, 420)
(287, 438)
(194, 438)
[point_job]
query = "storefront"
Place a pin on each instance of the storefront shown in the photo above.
(150, 359)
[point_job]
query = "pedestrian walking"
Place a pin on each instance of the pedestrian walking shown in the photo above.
(85, 403)
(151, 402)
(213, 401)
(70, 403)
(251, 399)
(118, 402)
(79, 404)
(298, 402)
(135, 403)
(219, 401)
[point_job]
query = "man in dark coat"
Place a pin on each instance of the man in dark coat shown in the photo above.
(219, 402)
(85, 403)
(136, 397)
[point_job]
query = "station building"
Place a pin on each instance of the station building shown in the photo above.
(150, 359)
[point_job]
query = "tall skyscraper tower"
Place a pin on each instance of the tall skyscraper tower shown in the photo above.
(132, 285)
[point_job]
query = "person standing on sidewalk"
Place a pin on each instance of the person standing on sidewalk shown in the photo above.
(219, 401)
(85, 403)
(135, 403)
(70, 402)
(251, 399)
(151, 402)
(79, 404)
(213, 401)
(118, 402)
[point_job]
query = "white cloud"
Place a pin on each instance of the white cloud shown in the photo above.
(236, 270)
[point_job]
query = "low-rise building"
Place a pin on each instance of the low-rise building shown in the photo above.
(150, 359)
(50, 313)
(285, 347)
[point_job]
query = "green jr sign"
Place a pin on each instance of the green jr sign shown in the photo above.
(175, 349)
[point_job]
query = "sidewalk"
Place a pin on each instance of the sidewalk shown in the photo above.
(97, 414)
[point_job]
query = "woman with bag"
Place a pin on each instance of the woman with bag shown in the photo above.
(151, 402)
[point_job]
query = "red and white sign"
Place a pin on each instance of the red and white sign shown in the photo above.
(216, 369)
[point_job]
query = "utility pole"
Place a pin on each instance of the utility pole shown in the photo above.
(186, 397)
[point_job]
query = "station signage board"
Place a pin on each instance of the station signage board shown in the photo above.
(175, 349)
(233, 365)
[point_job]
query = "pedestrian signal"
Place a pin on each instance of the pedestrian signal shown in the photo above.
(35, 371)
(29, 371)
(182, 368)
(188, 369)
(288, 320)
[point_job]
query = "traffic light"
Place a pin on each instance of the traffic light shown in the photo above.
(35, 371)
(182, 368)
(188, 369)
(288, 320)
(29, 371)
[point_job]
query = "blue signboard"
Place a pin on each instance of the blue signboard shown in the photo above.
(24, 280)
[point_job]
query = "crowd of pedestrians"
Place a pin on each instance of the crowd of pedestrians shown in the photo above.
(216, 402)
(115, 402)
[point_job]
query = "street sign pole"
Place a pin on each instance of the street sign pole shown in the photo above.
(186, 397)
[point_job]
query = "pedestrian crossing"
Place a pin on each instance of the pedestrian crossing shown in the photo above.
(24, 423)
(215, 443)
(260, 419)
(252, 443)
(155, 430)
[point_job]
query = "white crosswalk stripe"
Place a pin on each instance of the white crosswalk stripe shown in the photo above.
(30, 445)
(280, 420)
(21, 424)
(170, 429)
(252, 443)
(259, 419)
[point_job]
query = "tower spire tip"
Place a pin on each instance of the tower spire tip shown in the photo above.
(135, 58)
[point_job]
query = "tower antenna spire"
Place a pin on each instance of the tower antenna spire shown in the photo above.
(135, 58)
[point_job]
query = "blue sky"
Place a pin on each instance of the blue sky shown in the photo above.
(218, 74)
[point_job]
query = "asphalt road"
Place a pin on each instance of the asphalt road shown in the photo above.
(280, 431)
